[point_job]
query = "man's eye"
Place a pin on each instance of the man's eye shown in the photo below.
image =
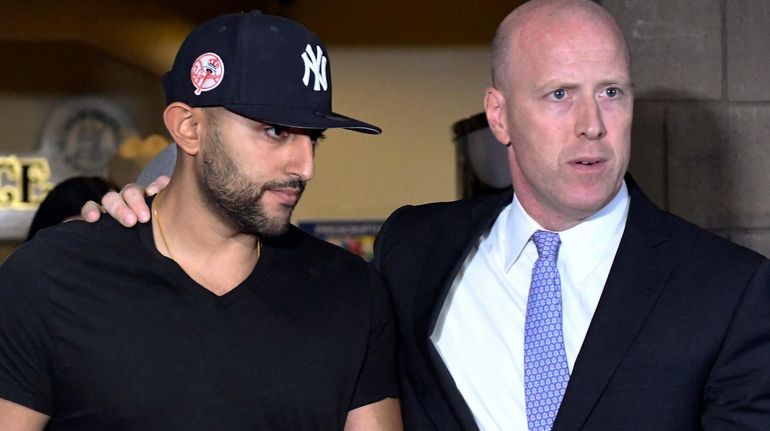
(559, 94)
(613, 92)
(276, 132)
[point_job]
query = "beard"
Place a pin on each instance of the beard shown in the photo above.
(238, 199)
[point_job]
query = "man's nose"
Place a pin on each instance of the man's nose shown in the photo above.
(301, 157)
(590, 123)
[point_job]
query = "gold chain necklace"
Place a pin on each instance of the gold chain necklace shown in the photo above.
(155, 205)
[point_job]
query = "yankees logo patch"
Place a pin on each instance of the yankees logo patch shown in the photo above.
(207, 72)
(315, 62)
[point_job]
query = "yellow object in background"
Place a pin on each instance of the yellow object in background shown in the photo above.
(132, 155)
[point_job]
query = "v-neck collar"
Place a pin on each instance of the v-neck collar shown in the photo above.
(187, 286)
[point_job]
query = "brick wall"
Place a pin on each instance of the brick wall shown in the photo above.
(701, 138)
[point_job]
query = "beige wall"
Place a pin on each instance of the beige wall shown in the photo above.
(415, 95)
(21, 118)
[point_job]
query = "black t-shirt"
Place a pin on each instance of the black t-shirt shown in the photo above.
(100, 331)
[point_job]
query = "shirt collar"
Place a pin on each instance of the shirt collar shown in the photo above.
(597, 231)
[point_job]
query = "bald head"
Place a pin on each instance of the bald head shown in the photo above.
(562, 102)
(535, 21)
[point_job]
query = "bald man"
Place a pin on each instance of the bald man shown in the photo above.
(572, 303)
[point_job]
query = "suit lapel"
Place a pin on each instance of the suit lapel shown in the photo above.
(482, 217)
(637, 276)
(480, 220)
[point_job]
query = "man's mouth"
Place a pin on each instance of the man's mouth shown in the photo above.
(286, 196)
(587, 161)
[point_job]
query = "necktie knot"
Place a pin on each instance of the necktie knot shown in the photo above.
(547, 244)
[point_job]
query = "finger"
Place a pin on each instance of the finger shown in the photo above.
(116, 207)
(157, 185)
(91, 211)
(133, 195)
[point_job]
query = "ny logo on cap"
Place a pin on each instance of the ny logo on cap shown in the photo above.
(317, 64)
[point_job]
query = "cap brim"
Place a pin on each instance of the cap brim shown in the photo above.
(302, 118)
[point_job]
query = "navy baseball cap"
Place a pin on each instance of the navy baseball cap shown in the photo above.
(267, 68)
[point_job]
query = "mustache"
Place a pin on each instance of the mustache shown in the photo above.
(295, 184)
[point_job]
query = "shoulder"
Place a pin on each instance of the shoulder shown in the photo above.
(700, 245)
(307, 245)
(78, 245)
(299, 249)
(441, 218)
(681, 240)
(433, 209)
(74, 248)
(55, 242)
(78, 231)
(313, 265)
(692, 251)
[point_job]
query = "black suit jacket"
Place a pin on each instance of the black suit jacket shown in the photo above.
(680, 339)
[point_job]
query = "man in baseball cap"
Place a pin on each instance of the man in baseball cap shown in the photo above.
(219, 314)
(262, 67)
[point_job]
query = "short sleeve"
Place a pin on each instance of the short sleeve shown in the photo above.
(24, 336)
(378, 377)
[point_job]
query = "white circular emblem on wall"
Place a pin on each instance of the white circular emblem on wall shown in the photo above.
(207, 72)
(82, 134)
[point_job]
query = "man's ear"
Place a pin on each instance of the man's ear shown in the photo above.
(184, 124)
(495, 107)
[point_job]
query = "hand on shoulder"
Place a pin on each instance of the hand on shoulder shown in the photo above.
(127, 206)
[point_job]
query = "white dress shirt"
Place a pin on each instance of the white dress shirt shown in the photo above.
(480, 331)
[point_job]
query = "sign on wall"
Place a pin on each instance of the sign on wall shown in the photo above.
(79, 138)
(355, 236)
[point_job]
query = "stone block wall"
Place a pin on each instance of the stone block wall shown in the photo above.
(701, 138)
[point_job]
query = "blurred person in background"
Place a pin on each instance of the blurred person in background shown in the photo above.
(63, 202)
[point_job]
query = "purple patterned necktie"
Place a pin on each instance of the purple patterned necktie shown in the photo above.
(545, 363)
